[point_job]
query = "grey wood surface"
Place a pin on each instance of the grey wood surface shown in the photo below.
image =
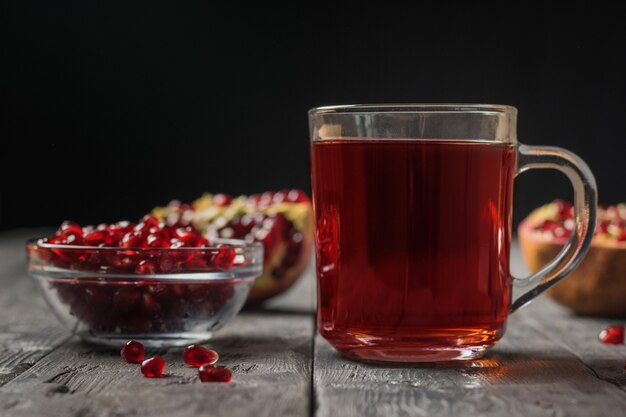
(548, 364)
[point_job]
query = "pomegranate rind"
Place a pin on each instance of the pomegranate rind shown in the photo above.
(597, 287)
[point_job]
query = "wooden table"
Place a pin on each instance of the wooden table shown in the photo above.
(550, 363)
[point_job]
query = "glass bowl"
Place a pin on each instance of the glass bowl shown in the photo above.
(158, 296)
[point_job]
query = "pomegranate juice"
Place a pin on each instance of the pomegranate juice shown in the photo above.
(412, 245)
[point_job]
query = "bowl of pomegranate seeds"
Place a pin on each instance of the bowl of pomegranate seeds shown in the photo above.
(157, 284)
(598, 285)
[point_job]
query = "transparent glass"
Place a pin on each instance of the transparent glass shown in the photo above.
(103, 295)
(413, 207)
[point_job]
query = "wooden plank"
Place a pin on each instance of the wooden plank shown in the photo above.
(28, 331)
(527, 374)
(579, 335)
(270, 357)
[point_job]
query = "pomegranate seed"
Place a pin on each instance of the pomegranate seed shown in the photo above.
(221, 200)
(564, 208)
(266, 198)
(297, 196)
(157, 242)
(125, 299)
(167, 233)
(153, 367)
(133, 352)
(54, 240)
(98, 237)
(133, 240)
(73, 239)
(197, 293)
(119, 230)
(167, 263)
(225, 257)
(280, 196)
(180, 256)
(150, 304)
(69, 228)
(211, 373)
(150, 221)
(128, 262)
(548, 225)
(254, 199)
(97, 298)
(613, 335)
(195, 263)
(146, 267)
(188, 236)
(196, 355)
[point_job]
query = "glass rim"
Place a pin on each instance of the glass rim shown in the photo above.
(236, 244)
(416, 108)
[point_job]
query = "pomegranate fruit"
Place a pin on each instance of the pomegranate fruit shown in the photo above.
(282, 221)
(598, 285)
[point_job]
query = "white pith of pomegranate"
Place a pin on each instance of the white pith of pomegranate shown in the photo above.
(282, 221)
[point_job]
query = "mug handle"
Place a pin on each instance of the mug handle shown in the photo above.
(585, 205)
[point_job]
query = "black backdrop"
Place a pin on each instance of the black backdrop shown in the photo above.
(116, 108)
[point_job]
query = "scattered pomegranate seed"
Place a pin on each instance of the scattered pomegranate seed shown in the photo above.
(196, 355)
(133, 352)
(212, 373)
(613, 335)
(153, 367)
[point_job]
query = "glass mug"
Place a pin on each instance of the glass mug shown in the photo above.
(413, 208)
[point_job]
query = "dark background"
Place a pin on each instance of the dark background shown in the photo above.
(115, 108)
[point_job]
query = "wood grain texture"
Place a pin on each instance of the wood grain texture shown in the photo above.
(270, 357)
(579, 335)
(27, 329)
(527, 374)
